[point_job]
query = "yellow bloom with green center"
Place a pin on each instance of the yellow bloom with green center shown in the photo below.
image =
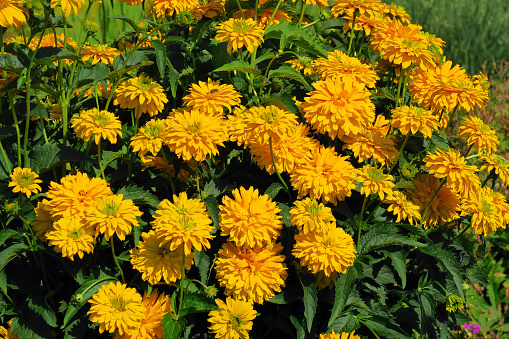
(454, 303)
(113, 215)
(141, 94)
(497, 163)
(403, 208)
(99, 124)
(71, 235)
(25, 181)
(211, 97)
(240, 33)
(309, 215)
(479, 134)
(116, 308)
(343, 335)
(375, 181)
(13, 14)
(149, 138)
(414, 119)
(43, 222)
(233, 320)
(99, 53)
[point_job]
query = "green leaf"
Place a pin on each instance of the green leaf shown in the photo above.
(347, 323)
(39, 305)
(3, 282)
(310, 299)
(399, 263)
(440, 140)
(48, 156)
(173, 76)
(11, 63)
(10, 253)
(126, 19)
(238, 65)
(202, 261)
(29, 325)
(285, 213)
(265, 56)
(213, 208)
(83, 293)
(101, 71)
(385, 328)
(139, 196)
(344, 285)
(197, 302)
(171, 327)
(296, 35)
(160, 56)
(273, 189)
(301, 333)
(7, 234)
(376, 239)
(288, 72)
(289, 295)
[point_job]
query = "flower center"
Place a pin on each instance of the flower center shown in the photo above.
(487, 208)
(375, 174)
(118, 303)
(154, 131)
(145, 83)
(75, 234)
(236, 321)
(101, 119)
(194, 128)
(186, 222)
(241, 27)
(25, 180)
(110, 208)
(313, 208)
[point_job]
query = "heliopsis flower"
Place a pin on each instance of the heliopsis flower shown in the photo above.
(207, 9)
(451, 165)
(166, 8)
(264, 16)
(233, 320)
(444, 205)
(249, 219)
(363, 22)
(98, 124)
(309, 215)
(407, 51)
(371, 145)
(141, 94)
(99, 53)
(489, 210)
(402, 208)
(193, 135)
(49, 41)
(375, 181)
(149, 138)
(68, 6)
(339, 64)
(348, 7)
(70, 236)
(453, 303)
(12, 14)
(117, 308)
(479, 134)
(150, 327)
(6, 333)
(251, 274)
(343, 335)
(185, 221)
(339, 107)
(291, 149)
(25, 181)
(43, 221)
(329, 252)
(414, 119)
(497, 163)
(99, 89)
(240, 33)
(325, 176)
(302, 64)
(75, 193)
(156, 261)
(396, 12)
(113, 215)
(210, 97)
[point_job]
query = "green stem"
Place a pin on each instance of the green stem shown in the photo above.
(404, 85)
(442, 183)
(352, 31)
(302, 9)
(6, 159)
(399, 153)
(274, 13)
(170, 177)
(181, 299)
(468, 150)
(360, 219)
(276, 170)
(369, 328)
(241, 10)
(16, 125)
(460, 233)
(401, 74)
(197, 175)
(115, 259)
(99, 159)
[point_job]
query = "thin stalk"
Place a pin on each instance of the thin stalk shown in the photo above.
(241, 10)
(460, 233)
(404, 85)
(442, 183)
(360, 218)
(399, 154)
(276, 170)
(181, 299)
(115, 259)
(399, 88)
(352, 31)
(170, 177)
(6, 159)
(99, 159)
(16, 125)
(369, 328)
(302, 8)
(274, 13)
(196, 174)
(468, 150)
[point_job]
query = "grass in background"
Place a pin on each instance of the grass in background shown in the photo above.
(475, 31)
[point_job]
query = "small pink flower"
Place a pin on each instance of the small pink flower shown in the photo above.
(475, 328)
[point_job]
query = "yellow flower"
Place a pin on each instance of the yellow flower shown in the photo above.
(363, 22)
(251, 274)
(166, 8)
(99, 53)
(150, 327)
(25, 181)
(443, 206)
(339, 64)
(453, 166)
(292, 149)
(402, 208)
(479, 134)
(233, 320)
(489, 210)
(375, 181)
(149, 138)
(6, 333)
(497, 163)
(240, 33)
(184, 222)
(348, 7)
(207, 9)
(68, 6)
(264, 16)
(12, 14)
(210, 97)
(193, 135)
(43, 222)
(394, 11)
(141, 94)
(99, 89)
(325, 176)
(407, 51)
(49, 41)
(372, 145)
(453, 303)
(329, 252)
(339, 107)
(97, 124)
(309, 215)
(249, 219)
(71, 235)
(156, 261)
(303, 64)
(414, 119)
(343, 335)
(75, 193)
(117, 308)
(113, 215)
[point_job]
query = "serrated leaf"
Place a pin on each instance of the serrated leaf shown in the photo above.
(440, 140)
(273, 189)
(172, 328)
(28, 325)
(213, 209)
(296, 35)
(265, 56)
(347, 323)
(239, 65)
(101, 71)
(202, 261)
(301, 333)
(160, 56)
(344, 285)
(310, 299)
(3, 282)
(11, 63)
(139, 196)
(10, 253)
(173, 76)
(38, 304)
(288, 72)
(126, 19)
(399, 263)
(384, 328)
(197, 303)
(50, 155)
(378, 239)
(285, 213)
(7, 234)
